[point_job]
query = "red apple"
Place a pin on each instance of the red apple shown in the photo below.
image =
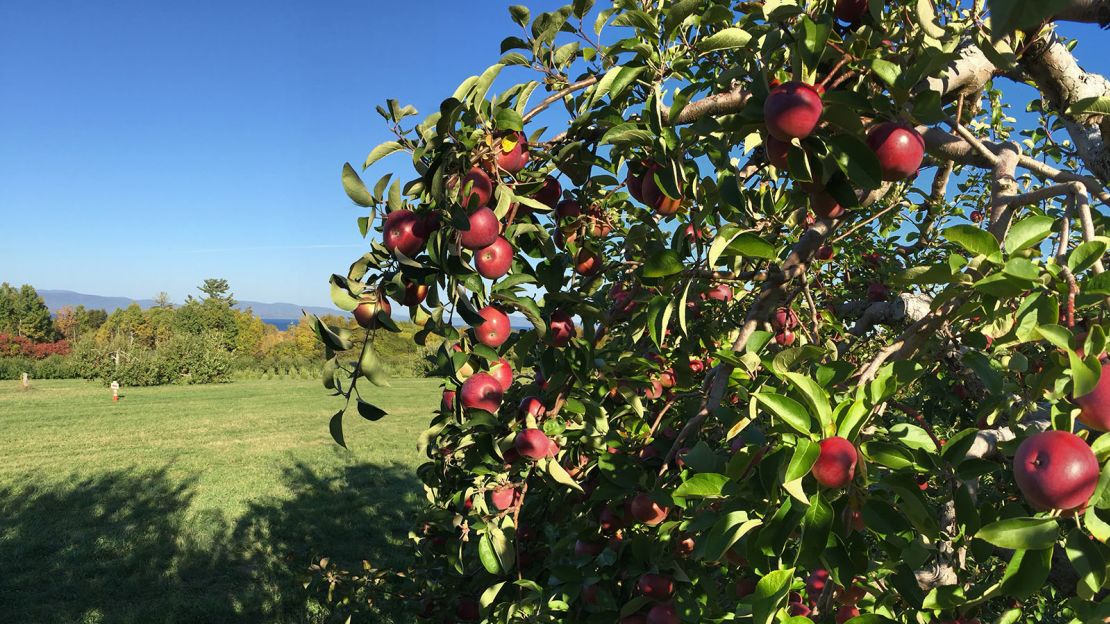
(484, 230)
(684, 547)
(402, 232)
(587, 263)
(585, 548)
(850, 11)
(656, 199)
(662, 614)
(850, 595)
(532, 443)
(504, 497)
(494, 261)
(792, 110)
(567, 209)
(696, 365)
(514, 158)
(415, 293)
(1056, 470)
(609, 520)
(481, 188)
(825, 252)
(655, 586)
(482, 391)
(720, 292)
(784, 318)
(836, 465)
(777, 152)
(467, 610)
(647, 511)
(825, 206)
(549, 193)
(366, 313)
(447, 403)
(589, 594)
(798, 609)
(845, 613)
(976, 216)
(877, 292)
(816, 582)
(1095, 405)
(561, 328)
(745, 587)
(899, 147)
(635, 185)
(502, 371)
(531, 406)
(785, 338)
(495, 329)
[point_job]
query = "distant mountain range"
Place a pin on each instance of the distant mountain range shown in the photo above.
(57, 299)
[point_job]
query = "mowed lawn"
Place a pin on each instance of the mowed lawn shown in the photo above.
(195, 503)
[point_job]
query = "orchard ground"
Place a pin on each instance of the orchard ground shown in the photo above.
(195, 503)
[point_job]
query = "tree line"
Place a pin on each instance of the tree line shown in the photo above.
(205, 339)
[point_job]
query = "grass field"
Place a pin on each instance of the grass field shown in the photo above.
(194, 503)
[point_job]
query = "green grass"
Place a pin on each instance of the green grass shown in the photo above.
(195, 503)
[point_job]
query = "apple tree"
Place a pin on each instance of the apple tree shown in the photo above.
(809, 308)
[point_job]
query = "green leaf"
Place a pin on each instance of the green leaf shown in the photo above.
(816, 398)
(725, 533)
(720, 242)
(628, 133)
(509, 120)
(370, 367)
(769, 593)
(1026, 572)
(614, 82)
(1021, 533)
(786, 408)
(886, 71)
(490, 594)
(1010, 15)
(1096, 105)
(977, 242)
(856, 160)
(556, 471)
(520, 14)
(1028, 232)
(341, 295)
(1085, 373)
(488, 556)
(801, 462)
(354, 187)
(678, 12)
(1085, 254)
(662, 264)
(369, 411)
(702, 485)
(752, 246)
(381, 151)
(335, 426)
(481, 87)
(726, 39)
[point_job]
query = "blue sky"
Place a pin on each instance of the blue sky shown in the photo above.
(146, 146)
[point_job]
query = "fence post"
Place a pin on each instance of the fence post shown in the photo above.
(26, 381)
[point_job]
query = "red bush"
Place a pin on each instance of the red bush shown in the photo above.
(20, 345)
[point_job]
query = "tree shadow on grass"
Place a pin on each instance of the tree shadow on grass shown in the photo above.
(122, 547)
(359, 512)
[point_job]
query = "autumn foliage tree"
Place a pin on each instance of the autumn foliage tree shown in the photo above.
(817, 318)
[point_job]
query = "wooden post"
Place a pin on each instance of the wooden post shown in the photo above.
(26, 381)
